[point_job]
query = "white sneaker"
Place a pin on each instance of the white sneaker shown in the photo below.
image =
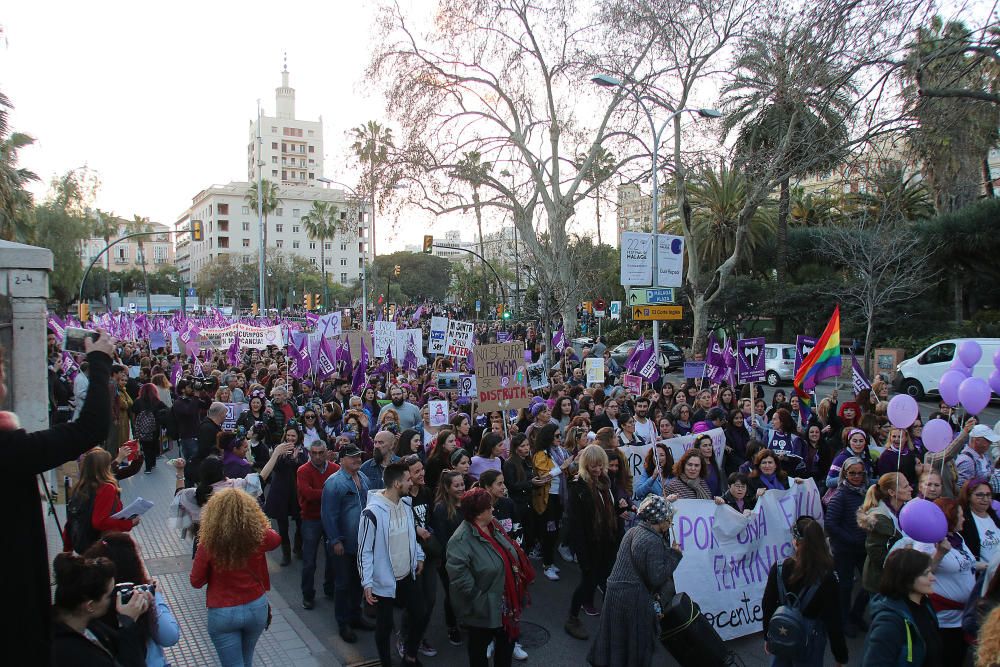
(551, 573)
(566, 553)
(519, 653)
(489, 651)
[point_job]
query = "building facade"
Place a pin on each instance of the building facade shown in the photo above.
(290, 150)
(231, 227)
(158, 249)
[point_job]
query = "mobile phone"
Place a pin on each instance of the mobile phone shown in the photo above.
(74, 337)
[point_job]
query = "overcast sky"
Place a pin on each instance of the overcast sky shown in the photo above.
(157, 98)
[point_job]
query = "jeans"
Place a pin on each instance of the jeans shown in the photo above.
(449, 611)
(312, 539)
(409, 595)
(847, 564)
(549, 528)
(235, 630)
(347, 597)
(480, 638)
(427, 585)
(189, 449)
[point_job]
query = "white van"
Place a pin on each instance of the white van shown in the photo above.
(920, 375)
(779, 360)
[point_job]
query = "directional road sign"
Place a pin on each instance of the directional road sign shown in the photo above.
(648, 296)
(657, 312)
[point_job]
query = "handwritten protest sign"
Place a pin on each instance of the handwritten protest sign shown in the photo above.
(635, 455)
(439, 335)
(459, 340)
(501, 377)
(727, 555)
(595, 370)
(354, 338)
(384, 335)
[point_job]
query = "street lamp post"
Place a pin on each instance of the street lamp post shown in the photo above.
(364, 254)
(260, 209)
(611, 82)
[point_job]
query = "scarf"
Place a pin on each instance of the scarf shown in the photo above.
(516, 576)
(695, 486)
(955, 540)
(847, 487)
(605, 518)
(771, 481)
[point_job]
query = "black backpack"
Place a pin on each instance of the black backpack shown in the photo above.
(790, 633)
(79, 522)
(146, 427)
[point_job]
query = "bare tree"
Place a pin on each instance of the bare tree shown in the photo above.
(508, 79)
(884, 264)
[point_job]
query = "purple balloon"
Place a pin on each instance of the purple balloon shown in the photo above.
(995, 381)
(923, 521)
(970, 353)
(974, 394)
(995, 504)
(948, 386)
(996, 359)
(958, 366)
(903, 411)
(937, 435)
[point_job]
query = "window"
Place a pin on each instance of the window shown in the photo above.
(274, 172)
(312, 175)
(343, 247)
(284, 175)
(222, 209)
(223, 241)
(295, 212)
(770, 353)
(310, 133)
(312, 245)
(327, 246)
(312, 260)
(279, 243)
(246, 226)
(223, 225)
(312, 161)
(938, 354)
(246, 259)
(274, 145)
(246, 243)
(295, 229)
(343, 277)
(343, 261)
(312, 149)
(295, 244)
(274, 159)
(274, 129)
(246, 210)
(279, 228)
(328, 261)
(279, 211)
(284, 147)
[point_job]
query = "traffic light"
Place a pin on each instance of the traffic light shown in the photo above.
(83, 311)
(428, 243)
(254, 309)
(499, 310)
(395, 271)
(317, 301)
(506, 313)
(197, 232)
(307, 301)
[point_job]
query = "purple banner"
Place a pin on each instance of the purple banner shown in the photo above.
(803, 346)
(715, 360)
(750, 360)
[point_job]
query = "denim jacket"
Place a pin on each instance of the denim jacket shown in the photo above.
(340, 509)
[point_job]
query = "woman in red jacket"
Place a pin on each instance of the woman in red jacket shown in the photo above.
(233, 538)
(97, 489)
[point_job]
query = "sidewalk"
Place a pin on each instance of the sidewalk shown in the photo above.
(288, 642)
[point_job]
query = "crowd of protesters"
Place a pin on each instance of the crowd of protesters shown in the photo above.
(465, 516)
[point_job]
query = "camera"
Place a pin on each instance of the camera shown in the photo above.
(125, 590)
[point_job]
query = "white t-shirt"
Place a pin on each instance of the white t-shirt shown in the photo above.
(646, 431)
(989, 538)
(954, 578)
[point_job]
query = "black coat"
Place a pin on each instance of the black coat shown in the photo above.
(208, 431)
(24, 554)
(594, 549)
(282, 493)
(841, 521)
(71, 649)
(970, 532)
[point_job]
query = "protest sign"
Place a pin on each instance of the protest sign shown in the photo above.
(330, 324)
(750, 360)
(635, 455)
(354, 338)
(175, 342)
(467, 386)
(537, 377)
(438, 412)
(233, 412)
(448, 381)
(803, 346)
(727, 555)
(501, 377)
(694, 370)
(384, 336)
(632, 384)
(504, 336)
(459, 339)
(439, 334)
(250, 336)
(595, 370)
(156, 340)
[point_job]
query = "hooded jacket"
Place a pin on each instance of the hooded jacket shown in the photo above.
(893, 638)
(883, 531)
(373, 534)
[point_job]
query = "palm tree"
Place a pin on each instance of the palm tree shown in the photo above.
(321, 224)
(371, 146)
(269, 205)
(106, 226)
(716, 198)
(601, 169)
(15, 200)
(787, 116)
(140, 224)
(474, 171)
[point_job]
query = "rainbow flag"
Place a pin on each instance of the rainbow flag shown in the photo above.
(823, 362)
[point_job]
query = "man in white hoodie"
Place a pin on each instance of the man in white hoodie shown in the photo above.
(389, 559)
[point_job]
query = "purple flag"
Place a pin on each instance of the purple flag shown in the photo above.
(410, 357)
(416, 315)
(750, 359)
(199, 372)
(715, 360)
(858, 377)
(559, 340)
(386, 365)
(646, 363)
(233, 353)
(470, 361)
(730, 358)
(175, 373)
(311, 319)
(70, 368)
(630, 362)
(360, 371)
(57, 326)
(803, 346)
(344, 355)
(326, 360)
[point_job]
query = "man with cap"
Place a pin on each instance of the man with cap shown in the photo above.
(974, 461)
(345, 494)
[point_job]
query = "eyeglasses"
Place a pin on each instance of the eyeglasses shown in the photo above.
(855, 473)
(981, 495)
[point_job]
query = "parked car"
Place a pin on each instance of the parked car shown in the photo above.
(921, 374)
(671, 356)
(779, 362)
